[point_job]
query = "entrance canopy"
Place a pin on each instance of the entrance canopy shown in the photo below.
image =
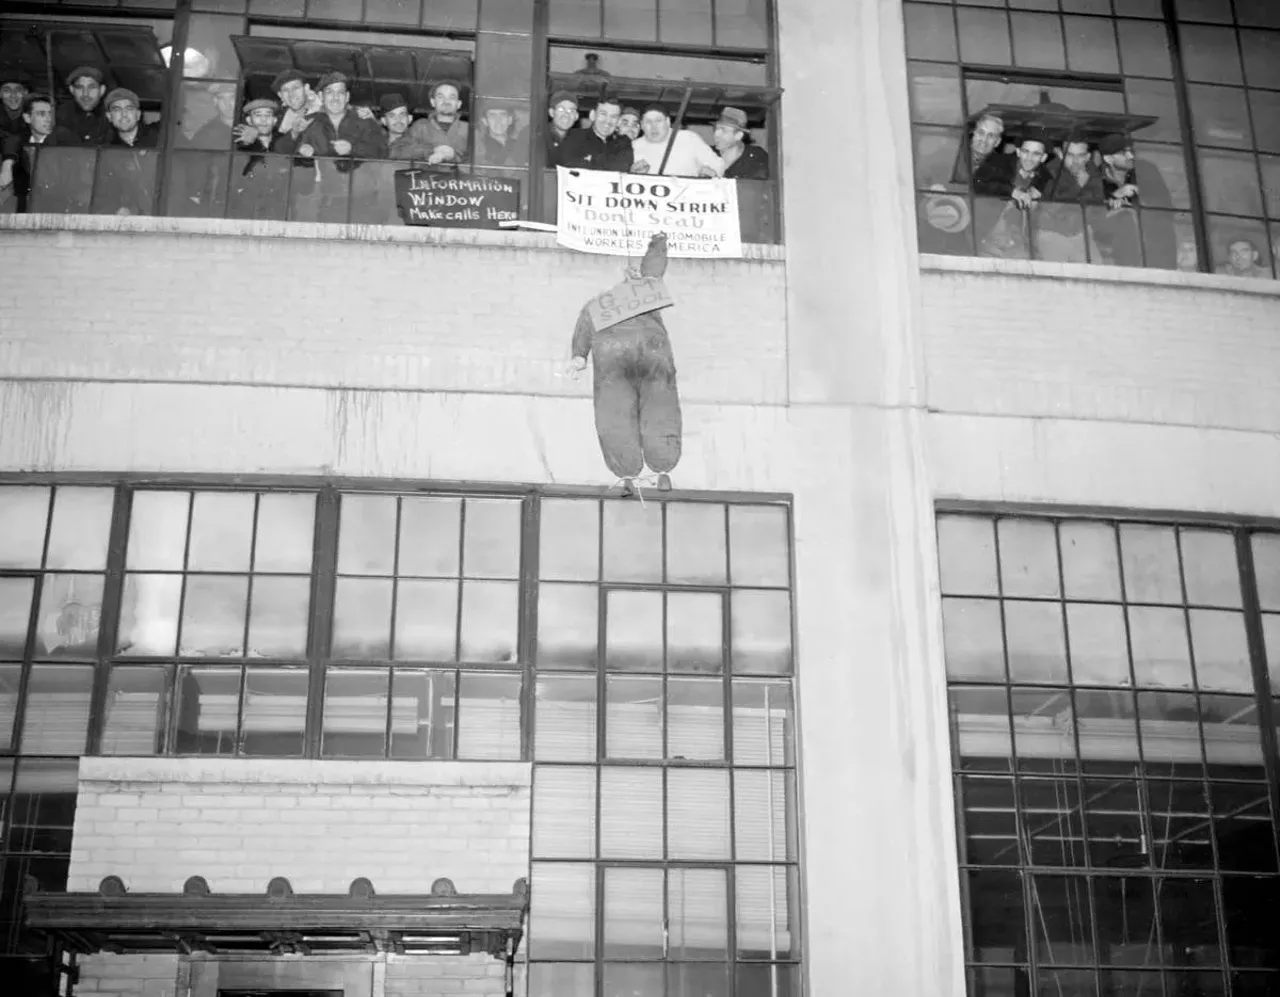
(281, 922)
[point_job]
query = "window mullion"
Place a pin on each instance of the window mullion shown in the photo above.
(109, 616)
(1258, 664)
(1182, 98)
(320, 621)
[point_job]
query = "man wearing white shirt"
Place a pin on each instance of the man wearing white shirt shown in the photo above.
(690, 155)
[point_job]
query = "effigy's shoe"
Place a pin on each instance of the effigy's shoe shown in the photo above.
(664, 483)
(628, 487)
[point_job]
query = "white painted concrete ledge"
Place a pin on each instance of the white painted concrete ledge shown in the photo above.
(265, 229)
(1096, 274)
(304, 772)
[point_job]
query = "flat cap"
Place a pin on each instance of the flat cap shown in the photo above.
(91, 71)
(261, 104)
(560, 96)
(286, 76)
(330, 78)
(390, 101)
(1110, 144)
(121, 94)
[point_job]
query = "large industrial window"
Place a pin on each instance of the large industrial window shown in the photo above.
(500, 56)
(1113, 689)
(664, 796)
(1149, 131)
(639, 653)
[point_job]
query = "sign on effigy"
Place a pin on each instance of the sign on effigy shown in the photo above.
(616, 213)
(444, 197)
(627, 300)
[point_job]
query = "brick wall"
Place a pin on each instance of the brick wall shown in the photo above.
(466, 976)
(107, 975)
(320, 824)
(444, 311)
(1009, 344)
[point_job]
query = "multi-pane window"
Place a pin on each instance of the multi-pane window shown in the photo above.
(721, 51)
(1190, 87)
(1113, 713)
(664, 837)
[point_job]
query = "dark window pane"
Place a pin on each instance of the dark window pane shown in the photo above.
(633, 636)
(393, 11)
(1259, 13)
(362, 618)
(569, 547)
(1210, 55)
(136, 711)
(1042, 728)
(567, 626)
(1204, 10)
(1170, 733)
(759, 546)
(633, 917)
(1155, 98)
(565, 715)
(931, 33)
(198, 185)
(761, 632)
(984, 37)
(1256, 983)
(56, 719)
(627, 979)
(698, 979)
(1105, 729)
(489, 621)
(1188, 914)
(1125, 913)
(1037, 41)
(208, 711)
(489, 717)
(422, 714)
(980, 718)
(685, 22)
(1249, 909)
(763, 723)
(455, 14)
(1243, 827)
(632, 541)
(767, 902)
(1264, 105)
(1067, 982)
(275, 712)
(967, 555)
(1220, 115)
(1261, 58)
(990, 822)
(10, 680)
(1033, 635)
(355, 713)
(1091, 45)
(695, 632)
(695, 719)
(278, 617)
(742, 23)
(430, 536)
(770, 980)
(696, 543)
(426, 620)
(1162, 182)
(1230, 182)
(936, 155)
(935, 93)
(1144, 49)
(79, 528)
(15, 615)
(1063, 920)
(996, 919)
(562, 911)
(564, 812)
(367, 535)
(552, 979)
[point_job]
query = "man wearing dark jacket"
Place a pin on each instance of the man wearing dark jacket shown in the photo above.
(340, 133)
(18, 154)
(598, 147)
(14, 86)
(83, 120)
(124, 111)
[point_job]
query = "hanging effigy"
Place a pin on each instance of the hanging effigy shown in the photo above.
(637, 405)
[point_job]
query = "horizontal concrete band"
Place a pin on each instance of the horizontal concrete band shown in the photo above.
(304, 772)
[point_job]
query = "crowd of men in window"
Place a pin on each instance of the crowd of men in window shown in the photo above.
(303, 124)
(1070, 198)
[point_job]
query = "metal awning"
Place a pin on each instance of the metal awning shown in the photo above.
(1062, 122)
(443, 922)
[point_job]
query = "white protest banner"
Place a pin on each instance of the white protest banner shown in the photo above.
(616, 213)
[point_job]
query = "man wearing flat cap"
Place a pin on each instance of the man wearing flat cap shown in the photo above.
(732, 140)
(442, 131)
(124, 111)
(340, 133)
(629, 123)
(562, 109)
(396, 117)
(1120, 240)
(14, 87)
(689, 155)
(260, 187)
(83, 119)
(599, 147)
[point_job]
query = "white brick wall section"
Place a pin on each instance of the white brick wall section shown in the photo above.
(108, 975)
(240, 822)
(462, 976)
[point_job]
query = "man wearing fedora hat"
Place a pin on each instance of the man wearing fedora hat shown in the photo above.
(83, 119)
(732, 140)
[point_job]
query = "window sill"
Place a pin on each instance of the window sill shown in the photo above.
(1095, 273)
(270, 229)
(300, 771)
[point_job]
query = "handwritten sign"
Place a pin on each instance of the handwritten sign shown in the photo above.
(615, 213)
(429, 197)
(627, 300)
